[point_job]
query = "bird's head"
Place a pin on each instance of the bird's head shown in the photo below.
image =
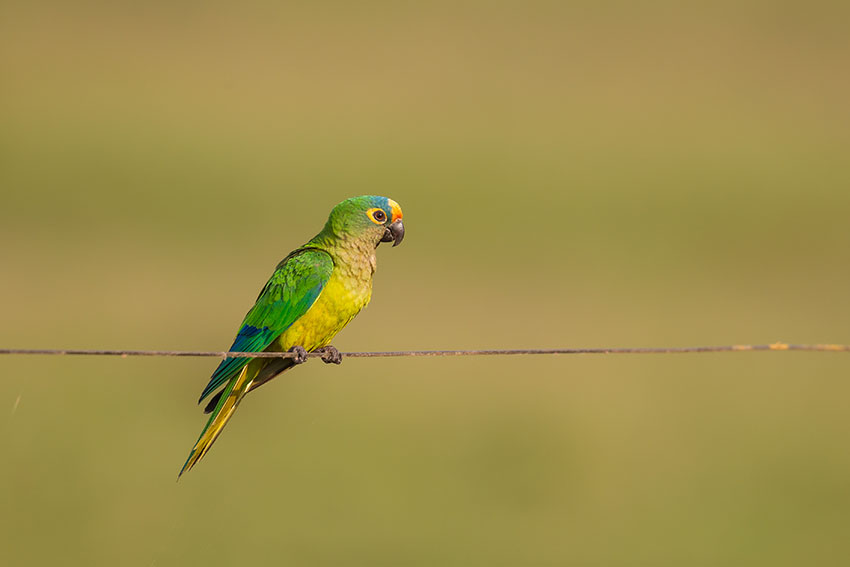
(368, 218)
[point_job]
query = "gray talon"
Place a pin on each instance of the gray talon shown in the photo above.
(330, 355)
(300, 354)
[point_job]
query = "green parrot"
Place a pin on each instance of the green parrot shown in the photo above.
(313, 293)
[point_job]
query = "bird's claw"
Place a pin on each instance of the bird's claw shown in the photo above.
(300, 354)
(330, 355)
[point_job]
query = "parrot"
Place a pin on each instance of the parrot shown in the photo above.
(313, 293)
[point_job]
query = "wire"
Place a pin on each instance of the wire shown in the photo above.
(408, 353)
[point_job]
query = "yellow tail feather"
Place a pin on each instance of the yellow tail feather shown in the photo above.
(236, 390)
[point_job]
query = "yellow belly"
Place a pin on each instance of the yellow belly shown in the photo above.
(338, 303)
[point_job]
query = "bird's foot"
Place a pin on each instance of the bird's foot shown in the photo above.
(300, 354)
(330, 355)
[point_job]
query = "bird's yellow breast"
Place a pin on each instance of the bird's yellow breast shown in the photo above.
(340, 300)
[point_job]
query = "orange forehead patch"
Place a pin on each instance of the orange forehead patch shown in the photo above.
(396, 210)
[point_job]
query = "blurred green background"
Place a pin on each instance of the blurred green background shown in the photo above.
(572, 174)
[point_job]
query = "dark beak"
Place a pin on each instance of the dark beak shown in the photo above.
(394, 233)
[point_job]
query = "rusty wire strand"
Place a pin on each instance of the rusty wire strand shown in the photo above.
(410, 353)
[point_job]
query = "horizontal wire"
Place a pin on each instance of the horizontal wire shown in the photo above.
(404, 353)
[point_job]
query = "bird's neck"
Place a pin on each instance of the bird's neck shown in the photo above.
(354, 254)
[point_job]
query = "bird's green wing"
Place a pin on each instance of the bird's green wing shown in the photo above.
(289, 293)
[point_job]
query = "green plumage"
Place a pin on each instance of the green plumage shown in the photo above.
(289, 293)
(312, 294)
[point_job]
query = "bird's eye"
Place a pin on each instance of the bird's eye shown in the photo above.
(377, 215)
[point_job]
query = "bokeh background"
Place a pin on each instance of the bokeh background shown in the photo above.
(572, 174)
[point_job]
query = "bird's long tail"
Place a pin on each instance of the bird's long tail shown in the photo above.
(230, 398)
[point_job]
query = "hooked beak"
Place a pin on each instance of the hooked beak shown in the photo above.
(394, 233)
